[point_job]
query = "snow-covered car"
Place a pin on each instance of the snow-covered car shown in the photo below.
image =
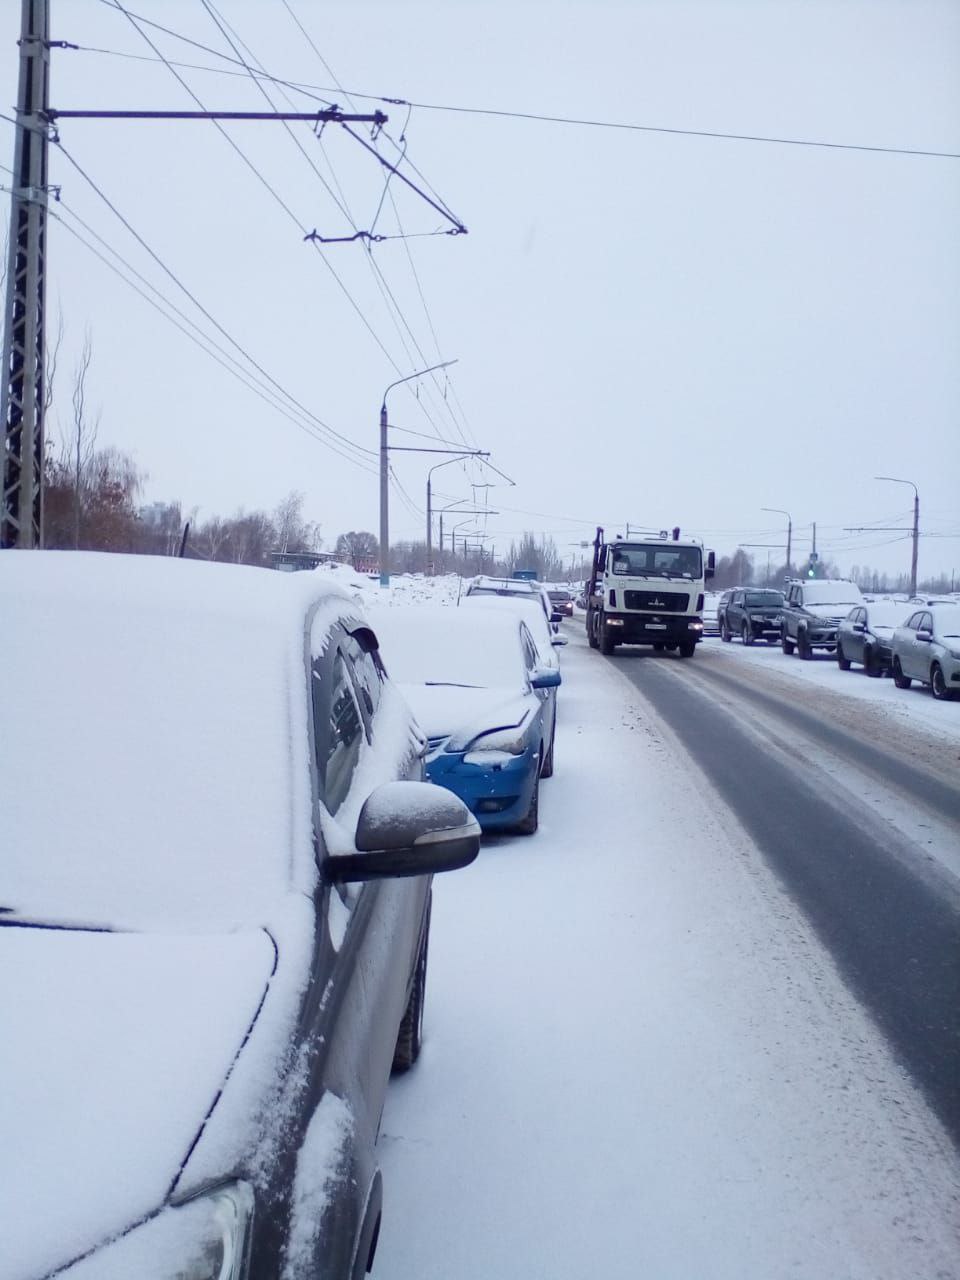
(866, 635)
(474, 679)
(216, 886)
(522, 588)
(927, 648)
(548, 642)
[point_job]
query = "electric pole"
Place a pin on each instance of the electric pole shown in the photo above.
(21, 403)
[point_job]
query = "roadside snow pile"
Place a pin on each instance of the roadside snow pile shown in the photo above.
(416, 588)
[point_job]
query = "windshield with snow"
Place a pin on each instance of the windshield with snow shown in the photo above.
(451, 647)
(662, 560)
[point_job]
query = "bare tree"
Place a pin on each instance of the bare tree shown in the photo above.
(293, 532)
(79, 446)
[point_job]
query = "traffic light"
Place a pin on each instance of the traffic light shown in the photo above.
(812, 565)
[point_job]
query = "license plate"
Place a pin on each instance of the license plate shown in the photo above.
(656, 626)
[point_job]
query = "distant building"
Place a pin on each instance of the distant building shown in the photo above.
(291, 561)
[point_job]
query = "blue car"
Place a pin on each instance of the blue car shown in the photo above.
(477, 686)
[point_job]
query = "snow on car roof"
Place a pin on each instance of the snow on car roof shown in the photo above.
(161, 768)
(523, 607)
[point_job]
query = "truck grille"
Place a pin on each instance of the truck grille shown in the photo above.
(662, 601)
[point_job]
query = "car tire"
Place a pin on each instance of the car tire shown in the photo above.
(725, 635)
(842, 662)
(803, 646)
(938, 684)
(687, 648)
(786, 644)
(871, 666)
(899, 679)
(410, 1034)
(530, 823)
(746, 634)
(546, 769)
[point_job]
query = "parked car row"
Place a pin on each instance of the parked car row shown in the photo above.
(883, 636)
(218, 854)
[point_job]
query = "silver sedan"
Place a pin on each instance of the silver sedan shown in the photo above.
(927, 649)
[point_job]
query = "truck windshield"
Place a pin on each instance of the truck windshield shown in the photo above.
(664, 560)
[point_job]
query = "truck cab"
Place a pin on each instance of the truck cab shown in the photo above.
(647, 591)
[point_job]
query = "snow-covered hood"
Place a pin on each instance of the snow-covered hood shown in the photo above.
(115, 1046)
(835, 610)
(445, 709)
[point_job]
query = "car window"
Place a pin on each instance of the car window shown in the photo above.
(912, 621)
(530, 658)
(367, 671)
(926, 622)
(340, 737)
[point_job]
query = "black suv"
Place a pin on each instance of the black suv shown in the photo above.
(812, 611)
(752, 613)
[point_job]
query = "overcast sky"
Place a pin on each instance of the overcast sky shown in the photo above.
(649, 327)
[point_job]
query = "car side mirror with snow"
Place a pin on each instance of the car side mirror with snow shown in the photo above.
(860, 626)
(408, 829)
(924, 634)
(556, 616)
(545, 678)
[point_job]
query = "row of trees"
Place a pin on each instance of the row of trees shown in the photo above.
(739, 570)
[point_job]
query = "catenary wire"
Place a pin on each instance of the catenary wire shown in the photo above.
(225, 362)
(203, 310)
(115, 4)
(403, 235)
(624, 126)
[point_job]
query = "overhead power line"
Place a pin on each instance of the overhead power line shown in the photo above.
(206, 313)
(598, 123)
(198, 337)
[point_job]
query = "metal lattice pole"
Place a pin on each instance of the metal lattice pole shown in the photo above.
(21, 518)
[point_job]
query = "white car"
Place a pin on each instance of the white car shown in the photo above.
(216, 879)
(927, 649)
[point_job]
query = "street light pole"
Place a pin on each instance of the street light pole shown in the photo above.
(780, 512)
(385, 470)
(916, 527)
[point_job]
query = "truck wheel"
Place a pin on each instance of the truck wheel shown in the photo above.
(725, 631)
(687, 648)
(786, 644)
(899, 679)
(410, 1035)
(844, 663)
(746, 634)
(592, 631)
(607, 644)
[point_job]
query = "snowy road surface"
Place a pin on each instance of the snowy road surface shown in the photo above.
(639, 1059)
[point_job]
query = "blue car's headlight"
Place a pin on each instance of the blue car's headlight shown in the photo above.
(513, 740)
(206, 1238)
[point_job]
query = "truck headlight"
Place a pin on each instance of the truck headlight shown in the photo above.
(206, 1238)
